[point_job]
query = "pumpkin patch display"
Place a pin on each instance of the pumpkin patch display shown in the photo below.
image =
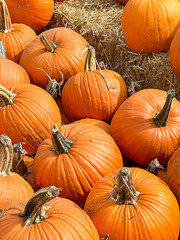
(74, 159)
(147, 126)
(94, 94)
(26, 115)
(14, 36)
(46, 216)
(133, 204)
(34, 13)
(149, 26)
(58, 51)
(174, 53)
(13, 187)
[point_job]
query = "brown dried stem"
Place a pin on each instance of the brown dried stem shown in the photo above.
(6, 96)
(154, 165)
(5, 19)
(2, 50)
(50, 46)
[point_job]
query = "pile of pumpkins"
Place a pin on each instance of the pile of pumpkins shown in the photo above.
(68, 133)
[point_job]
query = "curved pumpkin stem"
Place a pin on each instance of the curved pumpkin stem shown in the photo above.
(2, 50)
(161, 118)
(154, 165)
(50, 46)
(5, 23)
(34, 211)
(6, 96)
(6, 155)
(61, 144)
(124, 191)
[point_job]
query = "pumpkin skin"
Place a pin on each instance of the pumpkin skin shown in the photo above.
(65, 221)
(154, 28)
(136, 134)
(35, 14)
(173, 172)
(92, 155)
(29, 117)
(174, 53)
(90, 97)
(68, 58)
(157, 210)
(98, 123)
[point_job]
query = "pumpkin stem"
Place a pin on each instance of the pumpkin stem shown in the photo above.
(2, 50)
(91, 62)
(6, 96)
(153, 167)
(161, 118)
(50, 46)
(106, 237)
(34, 211)
(19, 165)
(61, 144)
(5, 23)
(124, 191)
(6, 155)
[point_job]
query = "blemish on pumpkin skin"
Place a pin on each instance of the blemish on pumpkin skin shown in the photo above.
(17, 5)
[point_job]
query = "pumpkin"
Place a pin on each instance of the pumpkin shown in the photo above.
(147, 126)
(26, 115)
(13, 187)
(46, 216)
(149, 26)
(98, 123)
(35, 14)
(14, 36)
(95, 93)
(174, 53)
(64, 118)
(157, 169)
(11, 73)
(23, 164)
(74, 158)
(58, 51)
(173, 174)
(132, 203)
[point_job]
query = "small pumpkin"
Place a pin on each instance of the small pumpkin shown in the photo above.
(147, 126)
(26, 114)
(74, 158)
(14, 188)
(174, 53)
(132, 203)
(58, 51)
(46, 216)
(35, 14)
(94, 94)
(14, 36)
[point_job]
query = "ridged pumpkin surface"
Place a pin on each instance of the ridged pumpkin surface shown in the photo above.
(66, 221)
(149, 25)
(30, 177)
(156, 213)
(174, 53)
(34, 13)
(92, 155)
(135, 132)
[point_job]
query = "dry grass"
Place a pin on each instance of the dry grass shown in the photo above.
(99, 22)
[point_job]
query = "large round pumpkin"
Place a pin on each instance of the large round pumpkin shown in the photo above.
(46, 216)
(74, 159)
(133, 204)
(149, 25)
(13, 187)
(34, 13)
(14, 36)
(147, 126)
(58, 51)
(174, 53)
(26, 115)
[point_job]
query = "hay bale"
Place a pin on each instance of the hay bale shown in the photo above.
(99, 22)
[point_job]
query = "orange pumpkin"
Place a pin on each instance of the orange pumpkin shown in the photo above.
(13, 187)
(95, 93)
(149, 26)
(174, 53)
(147, 126)
(26, 115)
(46, 216)
(58, 51)
(14, 36)
(33, 13)
(82, 155)
(133, 204)
(11, 73)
